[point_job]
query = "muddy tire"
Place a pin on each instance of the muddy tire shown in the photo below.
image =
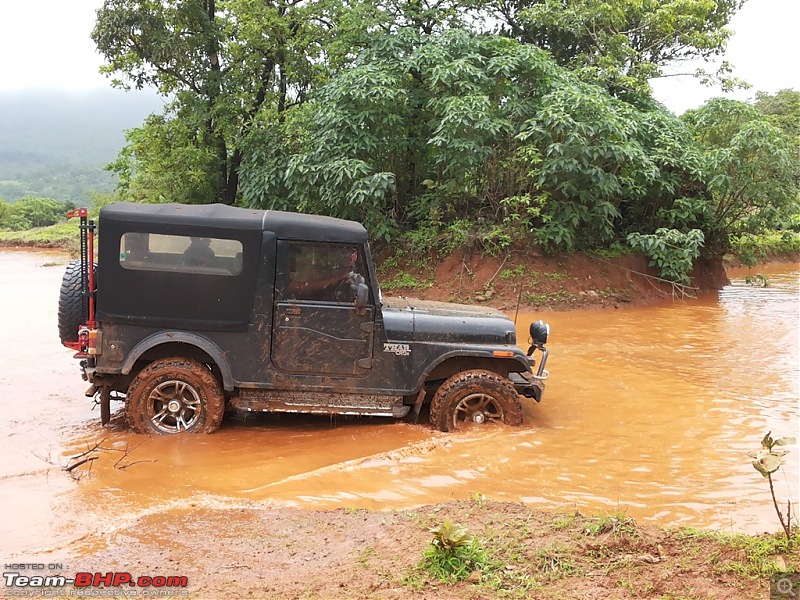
(71, 313)
(174, 395)
(475, 397)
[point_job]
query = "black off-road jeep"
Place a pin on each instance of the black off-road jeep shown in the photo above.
(192, 309)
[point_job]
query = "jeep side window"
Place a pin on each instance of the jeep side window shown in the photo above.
(180, 254)
(319, 272)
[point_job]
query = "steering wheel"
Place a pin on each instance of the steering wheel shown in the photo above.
(346, 289)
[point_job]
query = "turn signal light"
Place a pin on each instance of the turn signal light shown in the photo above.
(95, 345)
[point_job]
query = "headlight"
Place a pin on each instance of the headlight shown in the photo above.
(539, 332)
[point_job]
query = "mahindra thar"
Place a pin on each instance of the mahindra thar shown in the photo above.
(189, 310)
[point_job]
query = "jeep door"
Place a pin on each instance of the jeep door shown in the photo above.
(317, 328)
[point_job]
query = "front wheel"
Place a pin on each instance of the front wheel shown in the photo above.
(475, 397)
(175, 395)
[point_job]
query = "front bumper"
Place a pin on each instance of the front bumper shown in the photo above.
(528, 385)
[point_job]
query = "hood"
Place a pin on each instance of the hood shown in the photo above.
(409, 319)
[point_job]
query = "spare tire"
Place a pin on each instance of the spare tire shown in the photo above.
(71, 312)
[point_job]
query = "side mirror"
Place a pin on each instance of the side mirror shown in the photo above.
(362, 296)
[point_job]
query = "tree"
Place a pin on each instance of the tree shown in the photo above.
(5, 212)
(783, 110)
(165, 161)
(455, 127)
(31, 212)
(749, 165)
(618, 43)
(223, 63)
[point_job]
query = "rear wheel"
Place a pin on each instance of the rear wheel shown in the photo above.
(175, 395)
(474, 398)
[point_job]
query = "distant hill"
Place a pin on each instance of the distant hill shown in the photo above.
(55, 143)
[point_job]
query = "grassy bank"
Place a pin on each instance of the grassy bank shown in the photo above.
(512, 551)
(62, 235)
(497, 550)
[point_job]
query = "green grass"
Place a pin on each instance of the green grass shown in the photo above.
(61, 235)
(617, 524)
(405, 280)
(507, 274)
(557, 276)
(550, 556)
(755, 555)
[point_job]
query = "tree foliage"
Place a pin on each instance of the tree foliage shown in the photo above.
(411, 115)
(436, 128)
(618, 43)
(223, 62)
(749, 165)
(31, 212)
(782, 110)
(672, 251)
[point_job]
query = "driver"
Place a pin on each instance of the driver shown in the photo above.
(320, 288)
(199, 252)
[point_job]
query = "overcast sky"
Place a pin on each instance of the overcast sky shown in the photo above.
(46, 44)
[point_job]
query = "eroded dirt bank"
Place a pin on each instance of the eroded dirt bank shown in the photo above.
(532, 282)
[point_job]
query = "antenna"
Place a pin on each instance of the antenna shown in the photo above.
(519, 301)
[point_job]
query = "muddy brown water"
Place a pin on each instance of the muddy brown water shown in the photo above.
(648, 411)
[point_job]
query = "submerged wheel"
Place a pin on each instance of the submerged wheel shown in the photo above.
(175, 395)
(475, 397)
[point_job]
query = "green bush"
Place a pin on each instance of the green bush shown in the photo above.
(672, 251)
(752, 249)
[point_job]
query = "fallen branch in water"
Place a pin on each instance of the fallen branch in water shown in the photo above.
(125, 455)
(677, 288)
(90, 455)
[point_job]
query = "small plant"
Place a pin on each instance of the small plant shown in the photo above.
(557, 276)
(767, 461)
(391, 262)
(507, 274)
(479, 499)
(616, 524)
(553, 563)
(614, 250)
(453, 554)
(757, 280)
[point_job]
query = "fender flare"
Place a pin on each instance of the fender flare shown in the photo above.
(171, 337)
(470, 353)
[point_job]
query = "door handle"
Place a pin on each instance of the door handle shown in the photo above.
(294, 311)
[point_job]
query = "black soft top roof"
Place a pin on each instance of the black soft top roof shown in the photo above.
(285, 225)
